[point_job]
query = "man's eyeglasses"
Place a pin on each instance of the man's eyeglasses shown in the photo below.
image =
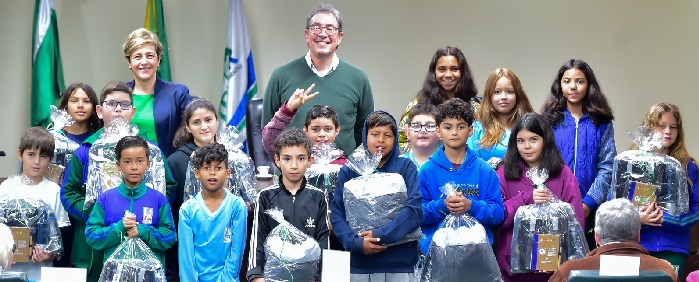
(429, 127)
(329, 30)
(112, 104)
(14, 248)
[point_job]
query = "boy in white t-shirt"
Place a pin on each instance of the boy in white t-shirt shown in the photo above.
(35, 152)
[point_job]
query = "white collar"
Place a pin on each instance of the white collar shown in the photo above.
(332, 67)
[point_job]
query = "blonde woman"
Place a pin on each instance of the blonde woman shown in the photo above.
(160, 103)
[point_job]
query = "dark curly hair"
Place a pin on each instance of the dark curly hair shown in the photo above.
(209, 153)
(595, 104)
(456, 109)
(290, 138)
(465, 89)
(130, 142)
(550, 157)
(321, 111)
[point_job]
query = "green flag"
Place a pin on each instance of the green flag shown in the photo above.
(155, 22)
(47, 69)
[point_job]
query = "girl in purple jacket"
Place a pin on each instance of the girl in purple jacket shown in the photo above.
(531, 145)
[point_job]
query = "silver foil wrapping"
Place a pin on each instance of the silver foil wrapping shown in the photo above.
(35, 214)
(551, 218)
(103, 174)
(460, 251)
(132, 261)
(64, 146)
(643, 176)
(372, 200)
(242, 181)
(322, 174)
(291, 254)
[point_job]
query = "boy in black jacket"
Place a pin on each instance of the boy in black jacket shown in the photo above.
(304, 206)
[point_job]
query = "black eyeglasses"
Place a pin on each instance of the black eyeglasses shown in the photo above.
(329, 30)
(112, 104)
(14, 248)
(429, 127)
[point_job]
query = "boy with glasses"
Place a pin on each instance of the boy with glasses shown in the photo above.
(115, 103)
(422, 133)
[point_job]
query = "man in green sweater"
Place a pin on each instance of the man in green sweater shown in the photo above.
(341, 85)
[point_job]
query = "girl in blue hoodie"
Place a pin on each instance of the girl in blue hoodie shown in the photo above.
(370, 259)
(581, 119)
(666, 236)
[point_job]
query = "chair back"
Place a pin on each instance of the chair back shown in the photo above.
(254, 132)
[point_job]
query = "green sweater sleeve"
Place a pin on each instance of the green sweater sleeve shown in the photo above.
(163, 237)
(365, 107)
(101, 237)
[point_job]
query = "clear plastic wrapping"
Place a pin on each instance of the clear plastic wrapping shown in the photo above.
(64, 146)
(291, 254)
(242, 181)
(103, 174)
(643, 176)
(16, 211)
(322, 174)
(13, 276)
(545, 235)
(374, 199)
(132, 261)
(460, 250)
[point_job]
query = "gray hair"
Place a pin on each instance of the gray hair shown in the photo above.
(6, 243)
(617, 221)
(327, 9)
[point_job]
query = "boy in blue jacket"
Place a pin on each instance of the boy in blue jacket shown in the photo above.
(370, 259)
(150, 219)
(478, 187)
(212, 224)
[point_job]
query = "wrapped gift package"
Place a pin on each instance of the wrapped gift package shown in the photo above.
(372, 199)
(322, 174)
(33, 221)
(460, 251)
(132, 261)
(103, 174)
(291, 254)
(242, 180)
(643, 176)
(545, 235)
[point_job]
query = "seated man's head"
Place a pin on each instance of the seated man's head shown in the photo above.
(617, 221)
(321, 124)
(7, 248)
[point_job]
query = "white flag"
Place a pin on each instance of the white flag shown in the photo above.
(239, 83)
